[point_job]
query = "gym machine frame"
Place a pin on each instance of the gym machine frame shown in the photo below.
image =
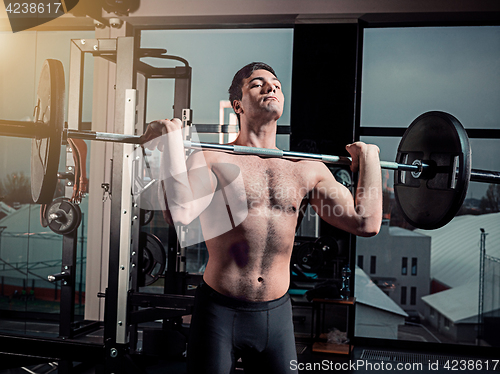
(122, 299)
(125, 307)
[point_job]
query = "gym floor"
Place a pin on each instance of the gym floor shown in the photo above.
(172, 365)
(308, 360)
(365, 359)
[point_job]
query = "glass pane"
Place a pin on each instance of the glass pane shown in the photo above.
(407, 72)
(28, 251)
(439, 299)
(215, 56)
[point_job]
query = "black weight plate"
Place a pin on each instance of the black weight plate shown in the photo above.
(154, 258)
(329, 246)
(45, 151)
(69, 214)
(309, 257)
(438, 139)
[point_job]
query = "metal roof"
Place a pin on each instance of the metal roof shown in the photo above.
(460, 304)
(370, 294)
(455, 248)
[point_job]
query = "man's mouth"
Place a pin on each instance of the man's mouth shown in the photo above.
(271, 98)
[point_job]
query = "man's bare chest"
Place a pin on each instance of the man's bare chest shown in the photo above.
(273, 183)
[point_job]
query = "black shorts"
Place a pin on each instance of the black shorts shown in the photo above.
(224, 329)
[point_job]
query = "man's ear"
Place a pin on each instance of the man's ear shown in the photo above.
(237, 107)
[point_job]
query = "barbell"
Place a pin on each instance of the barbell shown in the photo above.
(432, 170)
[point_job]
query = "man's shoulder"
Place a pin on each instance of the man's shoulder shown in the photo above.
(316, 167)
(208, 155)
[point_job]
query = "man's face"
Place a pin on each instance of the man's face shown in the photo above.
(262, 97)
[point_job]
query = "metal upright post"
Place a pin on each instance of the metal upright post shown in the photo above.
(75, 85)
(482, 255)
(2, 228)
(82, 240)
(174, 282)
(115, 326)
(137, 255)
(182, 90)
(67, 308)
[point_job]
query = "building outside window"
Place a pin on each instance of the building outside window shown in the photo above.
(403, 295)
(413, 296)
(360, 261)
(373, 264)
(404, 266)
(414, 266)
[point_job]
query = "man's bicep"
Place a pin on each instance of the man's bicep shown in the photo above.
(332, 201)
(201, 176)
(184, 196)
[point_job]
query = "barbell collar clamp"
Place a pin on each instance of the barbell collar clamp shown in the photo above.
(57, 216)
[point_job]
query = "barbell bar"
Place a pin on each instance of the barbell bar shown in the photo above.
(432, 167)
(274, 153)
(477, 175)
(28, 129)
(33, 130)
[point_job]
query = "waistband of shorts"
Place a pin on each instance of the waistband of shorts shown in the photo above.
(234, 303)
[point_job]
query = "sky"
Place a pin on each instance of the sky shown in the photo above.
(410, 71)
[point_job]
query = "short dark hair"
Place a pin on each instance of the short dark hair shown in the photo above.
(235, 92)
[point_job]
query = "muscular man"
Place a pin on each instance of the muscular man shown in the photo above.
(243, 309)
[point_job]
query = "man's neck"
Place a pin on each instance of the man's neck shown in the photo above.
(261, 136)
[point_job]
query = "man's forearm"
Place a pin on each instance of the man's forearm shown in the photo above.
(369, 190)
(187, 189)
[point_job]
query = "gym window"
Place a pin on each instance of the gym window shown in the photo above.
(406, 72)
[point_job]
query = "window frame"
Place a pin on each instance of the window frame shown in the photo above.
(397, 132)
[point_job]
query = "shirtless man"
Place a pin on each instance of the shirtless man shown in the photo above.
(243, 309)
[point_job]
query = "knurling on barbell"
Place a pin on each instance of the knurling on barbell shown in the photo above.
(432, 168)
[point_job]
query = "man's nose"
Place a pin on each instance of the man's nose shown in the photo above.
(270, 87)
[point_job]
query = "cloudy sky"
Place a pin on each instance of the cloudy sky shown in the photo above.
(410, 71)
(406, 72)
